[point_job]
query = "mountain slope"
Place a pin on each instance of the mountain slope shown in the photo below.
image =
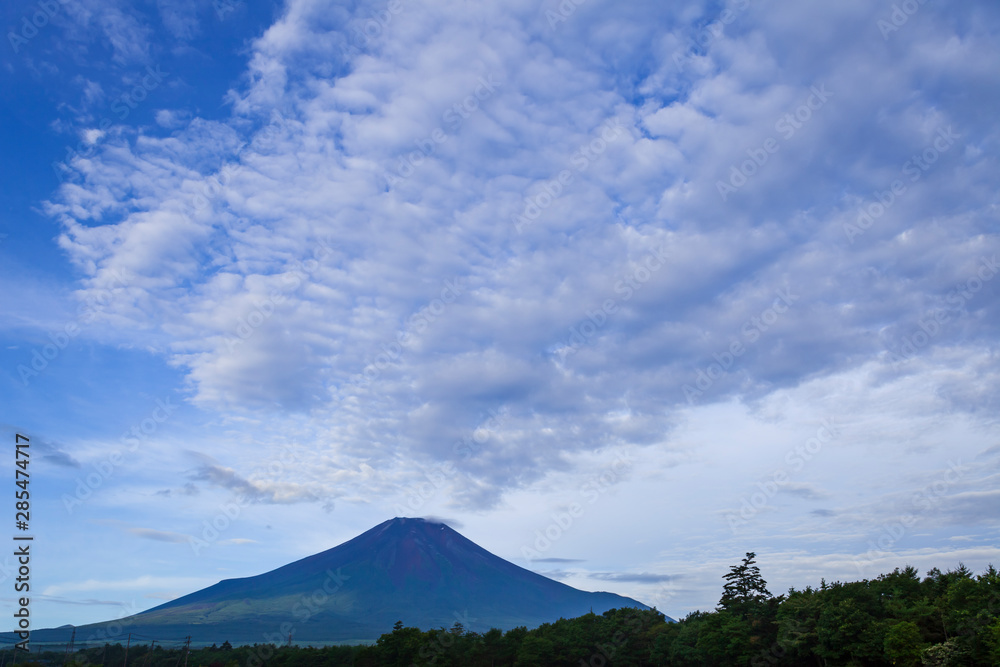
(422, 573)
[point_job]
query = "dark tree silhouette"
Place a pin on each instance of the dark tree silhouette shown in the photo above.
(745, 592)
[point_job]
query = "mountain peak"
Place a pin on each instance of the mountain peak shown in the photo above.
(406, 521)
(417, 570)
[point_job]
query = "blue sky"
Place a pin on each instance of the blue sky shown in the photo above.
(621, 291)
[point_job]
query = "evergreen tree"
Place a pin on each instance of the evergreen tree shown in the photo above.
(903, 644)
(745, 592)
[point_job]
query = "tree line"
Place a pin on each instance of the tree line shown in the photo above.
(897, 619)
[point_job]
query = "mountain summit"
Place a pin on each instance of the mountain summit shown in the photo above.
(420, 572)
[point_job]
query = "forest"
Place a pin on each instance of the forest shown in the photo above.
(898, 619)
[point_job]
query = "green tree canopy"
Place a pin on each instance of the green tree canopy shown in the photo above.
(745, 591)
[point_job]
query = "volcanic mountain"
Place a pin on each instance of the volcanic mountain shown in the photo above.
(412, 570)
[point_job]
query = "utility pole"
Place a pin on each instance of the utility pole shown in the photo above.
(69, 647)
(150, 654)
(187, 647)
(127, 644)
(289, 639)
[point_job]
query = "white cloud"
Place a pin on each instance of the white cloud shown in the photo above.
(136, 584)
(278, 257)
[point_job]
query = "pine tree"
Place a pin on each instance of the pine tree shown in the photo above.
(745, 592)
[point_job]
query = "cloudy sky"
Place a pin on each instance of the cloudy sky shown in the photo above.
(619, 290)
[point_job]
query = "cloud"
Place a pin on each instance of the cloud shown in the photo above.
(188, 489)
(261, 491)
(972, 507)
(637, 577)
(148, 533)
(61, 458)
(50, 451)
(806, 491)
(160, 535)
(456, 264)
(457, 525)
(86, 602)
(294, 259)
(112, 26)
(133, 584)
(180, 17)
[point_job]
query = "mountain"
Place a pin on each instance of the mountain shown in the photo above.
(419, 572)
